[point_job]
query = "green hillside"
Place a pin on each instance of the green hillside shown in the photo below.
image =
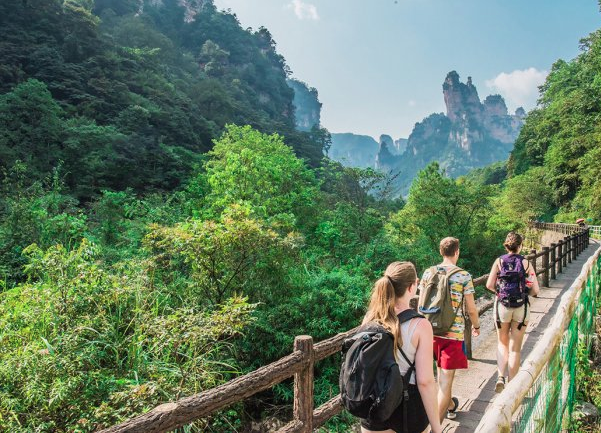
(164, 228)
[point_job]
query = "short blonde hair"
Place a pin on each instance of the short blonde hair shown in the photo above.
(449, 246)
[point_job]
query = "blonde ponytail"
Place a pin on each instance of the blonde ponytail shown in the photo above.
(398, 277)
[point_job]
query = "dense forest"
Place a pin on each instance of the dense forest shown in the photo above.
(164, 227)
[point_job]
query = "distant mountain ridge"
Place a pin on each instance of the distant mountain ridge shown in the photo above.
(471, 134)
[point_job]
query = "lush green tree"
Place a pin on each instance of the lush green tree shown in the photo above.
(237, 253)
(38, 213)
(493, 174)
(563, 133)
(439, 206)
(31, 128)
(259, 170)
(524, 198)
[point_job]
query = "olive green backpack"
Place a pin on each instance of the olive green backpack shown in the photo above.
(435, 300)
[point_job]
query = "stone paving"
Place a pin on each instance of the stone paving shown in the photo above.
(474, 387)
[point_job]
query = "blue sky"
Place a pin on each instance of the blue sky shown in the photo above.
(379, 65)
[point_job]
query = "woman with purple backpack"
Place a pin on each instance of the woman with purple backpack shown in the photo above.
(513, 279)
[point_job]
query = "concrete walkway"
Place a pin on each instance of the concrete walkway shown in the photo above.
(475, 387)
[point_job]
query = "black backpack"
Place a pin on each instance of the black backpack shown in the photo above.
(371, 385)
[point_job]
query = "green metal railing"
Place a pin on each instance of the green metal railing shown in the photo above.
(550, 401)
(541, 397)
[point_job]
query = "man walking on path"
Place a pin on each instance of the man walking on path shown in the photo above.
(449, 348)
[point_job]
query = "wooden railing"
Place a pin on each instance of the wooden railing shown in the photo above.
(301, 361)
(594, 231)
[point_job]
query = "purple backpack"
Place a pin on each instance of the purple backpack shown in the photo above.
(511, 281)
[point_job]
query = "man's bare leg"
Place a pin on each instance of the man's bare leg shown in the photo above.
(445, 385)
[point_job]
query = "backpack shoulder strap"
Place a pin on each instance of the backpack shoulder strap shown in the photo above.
(407, 315)
(454, 271)
(499, 262)
(432, 270)
(409, 363)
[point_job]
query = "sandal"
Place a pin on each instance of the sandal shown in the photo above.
(500, 385)
(452, 413)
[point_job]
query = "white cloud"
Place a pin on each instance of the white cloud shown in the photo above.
(412, 103)
(519, 88)
(304, 10)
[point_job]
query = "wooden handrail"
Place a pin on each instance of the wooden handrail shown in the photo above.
(169, 416)
(332, 345)
(301, 362)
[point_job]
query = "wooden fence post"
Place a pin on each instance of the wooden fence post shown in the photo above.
(552, 263)
(560, 257)
(467, 336)
(573, 254)
(533, 253)
(566, 242)
(303, 384)
(546, 266)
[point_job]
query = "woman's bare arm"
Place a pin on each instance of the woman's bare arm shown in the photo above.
(531, 276)
(492, 277)
(424, 374)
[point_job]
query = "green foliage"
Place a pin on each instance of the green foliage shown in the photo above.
(135, 270)
(40, 213)
(83, 346)
(129, 100)
(524, 198)
(153, 304)
(30, 127)
(438, 207)
(235, 253)
(493, 174)
(259, 170)
(563, 134)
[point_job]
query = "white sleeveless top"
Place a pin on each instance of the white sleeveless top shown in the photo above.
(407, 330)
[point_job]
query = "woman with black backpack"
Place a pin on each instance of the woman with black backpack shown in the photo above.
(389, 307)
(513, 279)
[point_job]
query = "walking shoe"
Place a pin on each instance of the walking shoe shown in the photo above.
(452, 413)
(500, 385)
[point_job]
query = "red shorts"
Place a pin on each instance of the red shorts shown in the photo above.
(449, 354)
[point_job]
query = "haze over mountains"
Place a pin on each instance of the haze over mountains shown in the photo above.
(471, 134)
